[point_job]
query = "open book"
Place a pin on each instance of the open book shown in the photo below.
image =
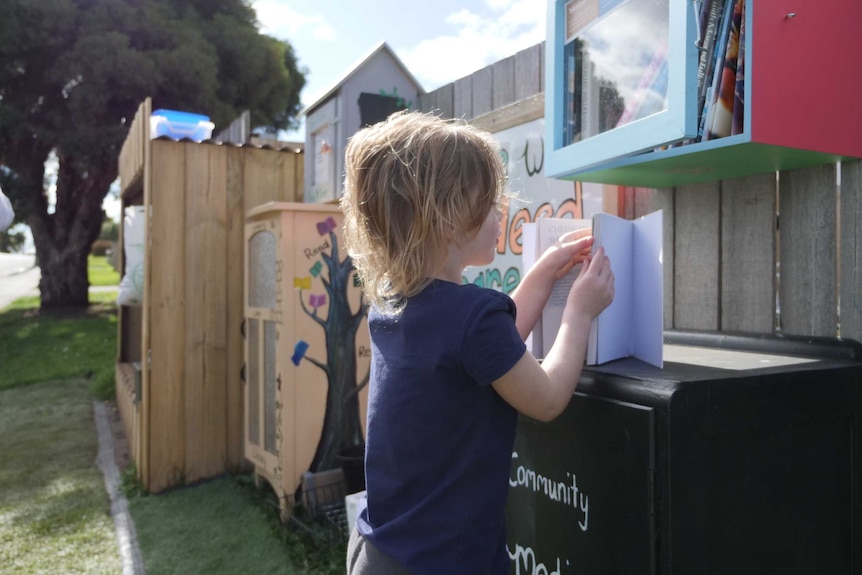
(536, 237)
(633, 324)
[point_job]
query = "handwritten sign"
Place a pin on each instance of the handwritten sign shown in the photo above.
(580, 491)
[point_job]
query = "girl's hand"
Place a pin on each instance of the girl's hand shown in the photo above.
(571, 249)
(593, 291)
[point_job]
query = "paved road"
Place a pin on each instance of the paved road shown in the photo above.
(18, 277)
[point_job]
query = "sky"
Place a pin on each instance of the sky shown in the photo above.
(439, 41)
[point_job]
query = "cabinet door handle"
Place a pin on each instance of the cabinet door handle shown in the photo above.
(242, 327)
(242, 374)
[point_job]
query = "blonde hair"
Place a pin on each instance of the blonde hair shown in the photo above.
(413, 183)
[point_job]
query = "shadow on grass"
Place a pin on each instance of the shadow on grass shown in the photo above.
(37, 346)
(226, 525)
(54, 511)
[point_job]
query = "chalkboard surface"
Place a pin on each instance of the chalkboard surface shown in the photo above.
(583, 504)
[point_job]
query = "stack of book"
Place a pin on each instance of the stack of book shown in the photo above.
(721, 68)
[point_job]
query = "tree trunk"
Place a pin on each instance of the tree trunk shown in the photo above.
(63, 239)
(64, 282)
(341, 424)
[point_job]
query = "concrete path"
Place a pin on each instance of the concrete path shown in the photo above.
(19, 277)
(127, 538)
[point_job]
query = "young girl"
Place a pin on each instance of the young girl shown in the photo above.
(449, 368)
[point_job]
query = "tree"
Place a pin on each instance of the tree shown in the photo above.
(72, 74)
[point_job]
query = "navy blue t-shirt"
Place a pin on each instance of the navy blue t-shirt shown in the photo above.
(439, 438)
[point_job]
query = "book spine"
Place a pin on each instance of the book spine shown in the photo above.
(592, 355)
(706, 56)
(718, 59)
(589, 101)
(737, 126)
(723, 114)
(706, 33)
(571, 103)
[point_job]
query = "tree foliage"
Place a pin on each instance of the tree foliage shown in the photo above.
(72, 75)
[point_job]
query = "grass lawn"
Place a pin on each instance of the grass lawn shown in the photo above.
(36, 348)
(54, 509)
(222, 526)
(101, 273)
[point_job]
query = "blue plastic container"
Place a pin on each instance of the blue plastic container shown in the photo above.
(179, 125)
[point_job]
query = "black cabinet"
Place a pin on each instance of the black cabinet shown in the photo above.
(741, 456)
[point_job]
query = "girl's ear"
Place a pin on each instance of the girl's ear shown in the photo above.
(451, 233)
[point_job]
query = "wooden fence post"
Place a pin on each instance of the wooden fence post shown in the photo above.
(850, 271)
(748, 254)
(808, 244)
(696, 263)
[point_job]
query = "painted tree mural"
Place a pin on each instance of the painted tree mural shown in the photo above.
(341, 424)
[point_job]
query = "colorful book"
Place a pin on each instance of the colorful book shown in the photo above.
(719, 53)
(738, 126)
(711, 11)
(722, 114)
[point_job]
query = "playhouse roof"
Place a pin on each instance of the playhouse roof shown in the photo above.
(382, 46)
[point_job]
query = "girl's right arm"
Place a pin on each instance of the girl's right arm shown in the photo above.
(542, 391)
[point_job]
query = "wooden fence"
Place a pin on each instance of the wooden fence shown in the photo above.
(778, 253)
(184, 420)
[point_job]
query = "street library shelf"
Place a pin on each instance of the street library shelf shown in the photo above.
(658, 93)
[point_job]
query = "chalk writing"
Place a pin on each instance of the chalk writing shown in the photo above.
(526, 563)
(564, 491)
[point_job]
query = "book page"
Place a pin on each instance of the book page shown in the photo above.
(548, 231)
(648, 293)
(614, 324)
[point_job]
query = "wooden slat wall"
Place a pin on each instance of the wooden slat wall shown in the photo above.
(206, 311)
(164, 389)
(131, 160)
(529, 72)
(807, 236)
(238, 132)
(851, 250)
(696, 268)
(503, 83)
(235, 208)
(748, 254)
(723, 243)
(191, 413)
(510, 80)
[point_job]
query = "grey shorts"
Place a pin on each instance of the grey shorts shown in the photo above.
(363, 558)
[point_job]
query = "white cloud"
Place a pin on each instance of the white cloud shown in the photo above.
(477, 40)
(278, 19)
